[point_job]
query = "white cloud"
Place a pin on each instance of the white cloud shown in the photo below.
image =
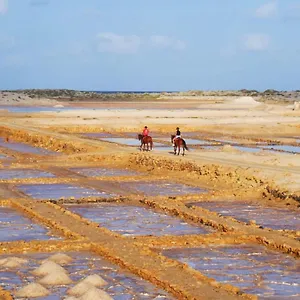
(256, 42)
(3, 6)
(121, 44)
(267, 10)
(162, 41)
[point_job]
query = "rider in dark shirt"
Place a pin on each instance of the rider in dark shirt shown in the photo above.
(178, 135)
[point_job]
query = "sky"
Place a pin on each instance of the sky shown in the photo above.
(150, 45)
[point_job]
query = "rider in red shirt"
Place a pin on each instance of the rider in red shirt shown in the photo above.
(145, 131)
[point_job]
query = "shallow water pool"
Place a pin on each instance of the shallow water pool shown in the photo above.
(252, 268)
(286, 148)
(105, 172)
(13, 227)
(23, 174)
(57, 191)
(162, 188)
(134, 220)
(270, 217)
(24, 148)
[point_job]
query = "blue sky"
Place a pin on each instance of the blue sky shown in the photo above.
(150, 44)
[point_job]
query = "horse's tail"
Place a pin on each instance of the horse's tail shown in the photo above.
(184, 145)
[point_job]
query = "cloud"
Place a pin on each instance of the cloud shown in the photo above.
(256, 42)
(162, 41)
(3, 6)
(114, 43)
(267, 10)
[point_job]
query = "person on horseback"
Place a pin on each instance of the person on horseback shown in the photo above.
(177, 135)
(145, 131)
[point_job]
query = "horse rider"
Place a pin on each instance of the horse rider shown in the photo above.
(145, 131)
(178, 135)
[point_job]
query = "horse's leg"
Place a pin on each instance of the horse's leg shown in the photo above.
(183, 151)
(178, 149)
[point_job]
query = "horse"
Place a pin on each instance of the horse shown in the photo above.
(145, 140)
(179, 142)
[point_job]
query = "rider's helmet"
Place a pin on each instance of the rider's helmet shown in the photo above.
(177, 128)
(146, 127)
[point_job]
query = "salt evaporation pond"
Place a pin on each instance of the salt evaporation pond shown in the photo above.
(188, 141)
(252, 268)
(162, 188)
(128, 141)
(105, 172)
(247, 149)
(58, 191)
(24, 148)
(13, 226)
(270, 217)
(121, 284)
(23, 174)
(133, 220)
(286, 148)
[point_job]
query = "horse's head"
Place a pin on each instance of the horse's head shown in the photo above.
(172, 137)
(140, 137)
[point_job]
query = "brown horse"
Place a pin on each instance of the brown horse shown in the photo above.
(145, 140)
(178, 143)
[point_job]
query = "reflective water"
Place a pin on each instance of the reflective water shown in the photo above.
(134, 220)
(36, 109)
(287, 148)
(2, 156)
(254, 269)
(97, 172)
(188, 141)
(275, 218)
(24, 148)
(57, 191)
(13, 227)
(128, 141)
(23, 173)
(162, 188)
(123, 141)
(122, 285)
(247, 149)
